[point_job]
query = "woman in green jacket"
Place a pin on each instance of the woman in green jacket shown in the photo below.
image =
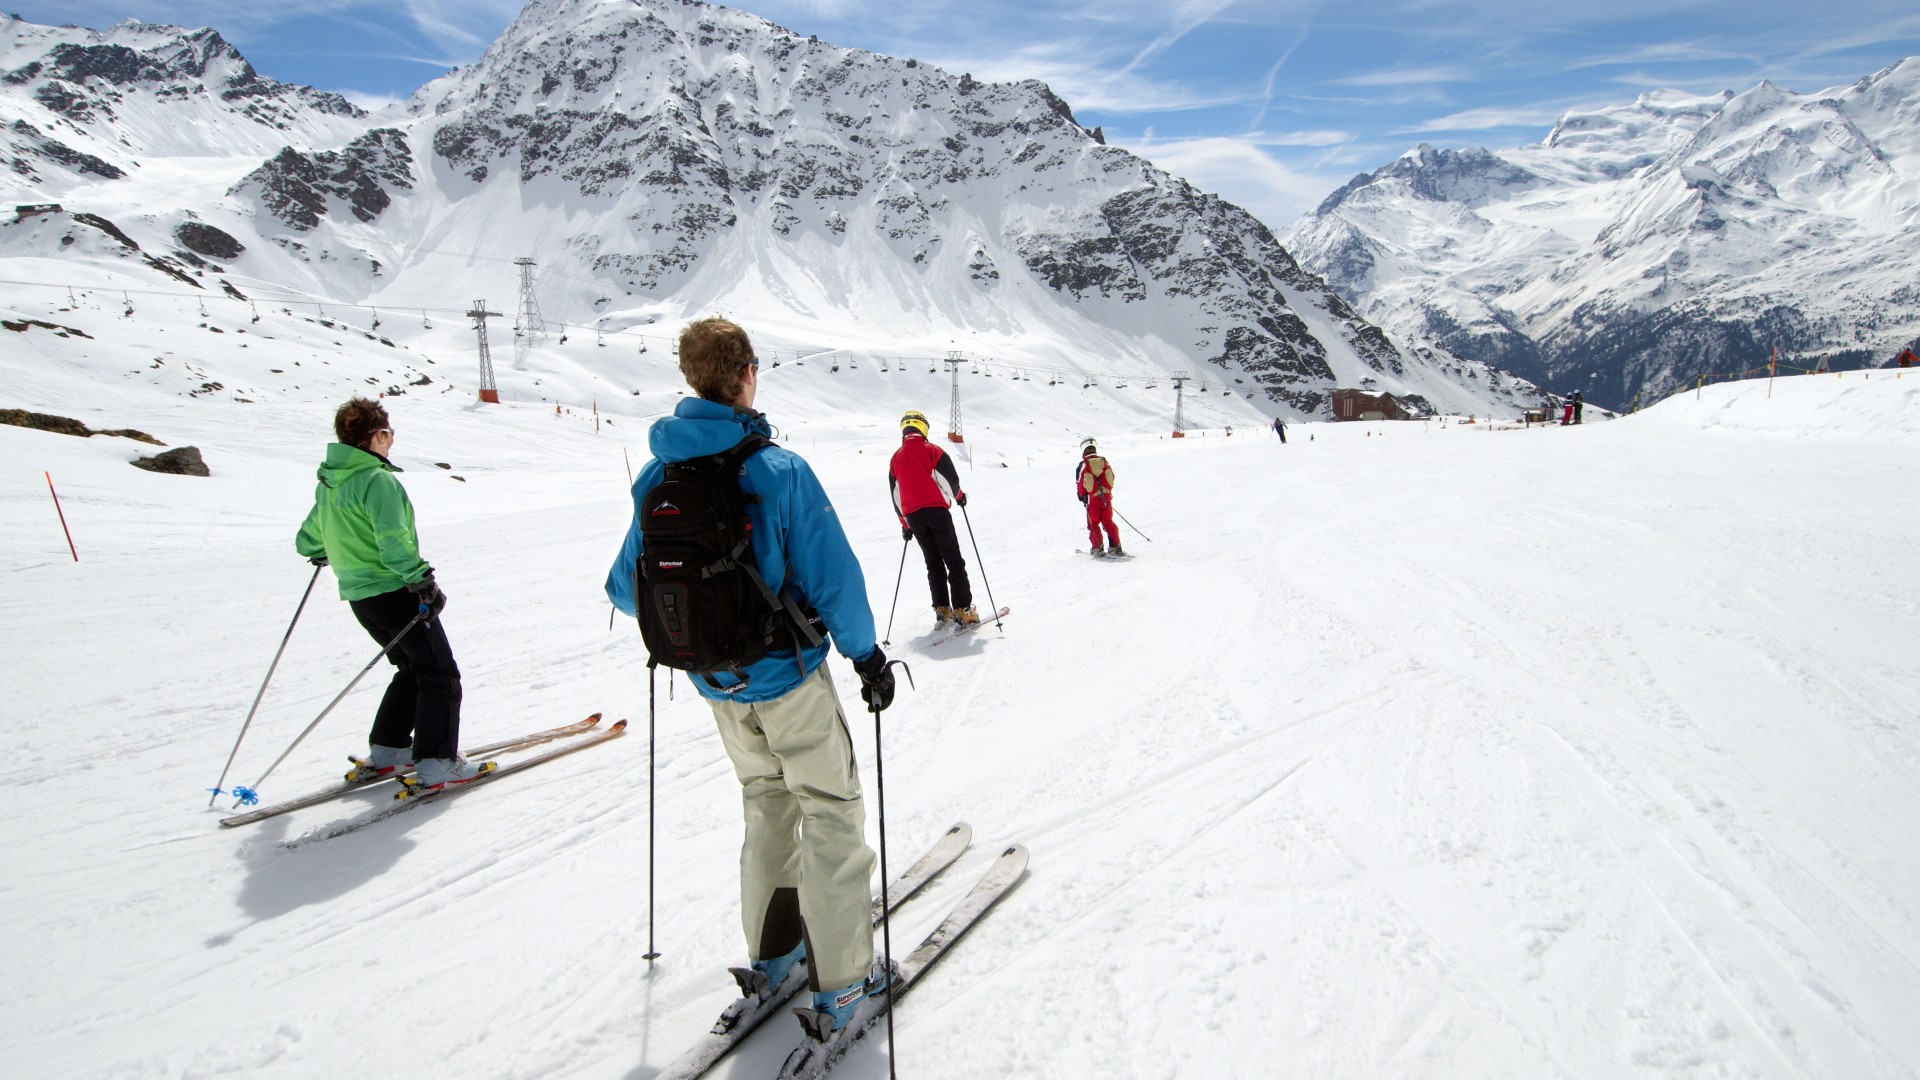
(362, 526)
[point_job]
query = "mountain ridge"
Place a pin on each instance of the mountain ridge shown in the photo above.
(658, 155)
(1641, 247)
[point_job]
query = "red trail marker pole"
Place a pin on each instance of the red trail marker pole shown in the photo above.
(63, 516)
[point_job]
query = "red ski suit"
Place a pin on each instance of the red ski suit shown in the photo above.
(1093, 483)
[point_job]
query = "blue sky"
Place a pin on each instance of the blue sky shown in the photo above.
(1272, 104)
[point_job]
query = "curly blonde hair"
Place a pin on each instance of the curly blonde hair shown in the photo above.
(714, 356)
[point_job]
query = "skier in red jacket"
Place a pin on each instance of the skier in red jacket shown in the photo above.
(924, 484)
(1093, 483)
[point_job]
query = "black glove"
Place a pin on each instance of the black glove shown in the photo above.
(876, 681)
(1083, 498)
(429, 593)
(318, 560)
(961, 499)
(906, 533)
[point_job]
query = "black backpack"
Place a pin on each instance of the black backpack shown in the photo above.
(704, 605)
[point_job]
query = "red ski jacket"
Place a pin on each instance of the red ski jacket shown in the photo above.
(921, 475)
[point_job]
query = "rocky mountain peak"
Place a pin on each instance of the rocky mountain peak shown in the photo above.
(1677, 236)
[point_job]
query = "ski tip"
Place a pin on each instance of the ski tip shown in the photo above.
(594, 719)
(618, 725)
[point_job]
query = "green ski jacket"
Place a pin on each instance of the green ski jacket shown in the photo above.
(362, 521)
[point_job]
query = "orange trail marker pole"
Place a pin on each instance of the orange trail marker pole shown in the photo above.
(63, 516)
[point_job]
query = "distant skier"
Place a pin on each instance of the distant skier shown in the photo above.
(923, 483)
(362, 525)
(1566, 412)
(1906, 358)
(1093, 483)
(1579, 406)
(805, 867)
(1280, 429)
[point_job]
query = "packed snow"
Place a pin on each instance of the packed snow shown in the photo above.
(1432, 749)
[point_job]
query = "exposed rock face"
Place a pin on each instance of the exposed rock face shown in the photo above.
(1642, 246)
(203, 239)
(296, 187)
(140, 90)
(180, 461)
(66, 425)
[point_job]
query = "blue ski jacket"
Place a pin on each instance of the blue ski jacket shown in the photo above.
(797, 540)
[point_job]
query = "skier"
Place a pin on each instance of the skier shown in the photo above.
(805, 867)
(1906, 358)
(1093, 482)
(362, 525)
(1280, 429)
(923, 484)
(1579, 406)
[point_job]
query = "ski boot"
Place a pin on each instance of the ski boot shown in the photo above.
(763, 977)
(832, 1009)
(431, 776)
(380, 763)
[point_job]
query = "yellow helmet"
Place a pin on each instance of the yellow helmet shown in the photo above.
(913, 421)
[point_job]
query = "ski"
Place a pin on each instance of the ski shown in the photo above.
(401, 803)
(1122, 557)
(739, 1019)
(811, 1059)
(961, 631)
(314, 799)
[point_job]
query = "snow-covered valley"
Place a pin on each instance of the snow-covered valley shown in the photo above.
(1410, 749)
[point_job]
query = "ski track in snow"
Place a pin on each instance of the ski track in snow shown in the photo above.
(1414, 749)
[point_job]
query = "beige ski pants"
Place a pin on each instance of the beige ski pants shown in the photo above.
(805, 824)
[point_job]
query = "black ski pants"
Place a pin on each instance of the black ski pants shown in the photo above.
(946, 569)
(422, 704)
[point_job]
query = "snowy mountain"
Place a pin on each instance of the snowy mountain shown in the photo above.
(658, 157)
(1640, 247)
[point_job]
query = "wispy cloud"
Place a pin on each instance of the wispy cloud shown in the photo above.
(1242, 171)
(1672, 52)
(1091, 82)
(1187, 17)
(1408, 76)
(1486, 119)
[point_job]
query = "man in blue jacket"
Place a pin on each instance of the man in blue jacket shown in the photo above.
(805, 867)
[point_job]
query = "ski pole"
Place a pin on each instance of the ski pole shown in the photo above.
(247, 796)
(981, 563)
(217, 792)
(652, 953)
(896, 593)
(880, 802)
(1131, 525)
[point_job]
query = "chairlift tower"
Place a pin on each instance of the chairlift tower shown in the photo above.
(527, 324)
(953, 417)
(1179, 405)
(488, 391)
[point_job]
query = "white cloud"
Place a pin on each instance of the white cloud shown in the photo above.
(1242, 171)
(1487, 119)
(1406, 76)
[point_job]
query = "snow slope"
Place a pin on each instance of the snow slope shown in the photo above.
(1428, 750)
